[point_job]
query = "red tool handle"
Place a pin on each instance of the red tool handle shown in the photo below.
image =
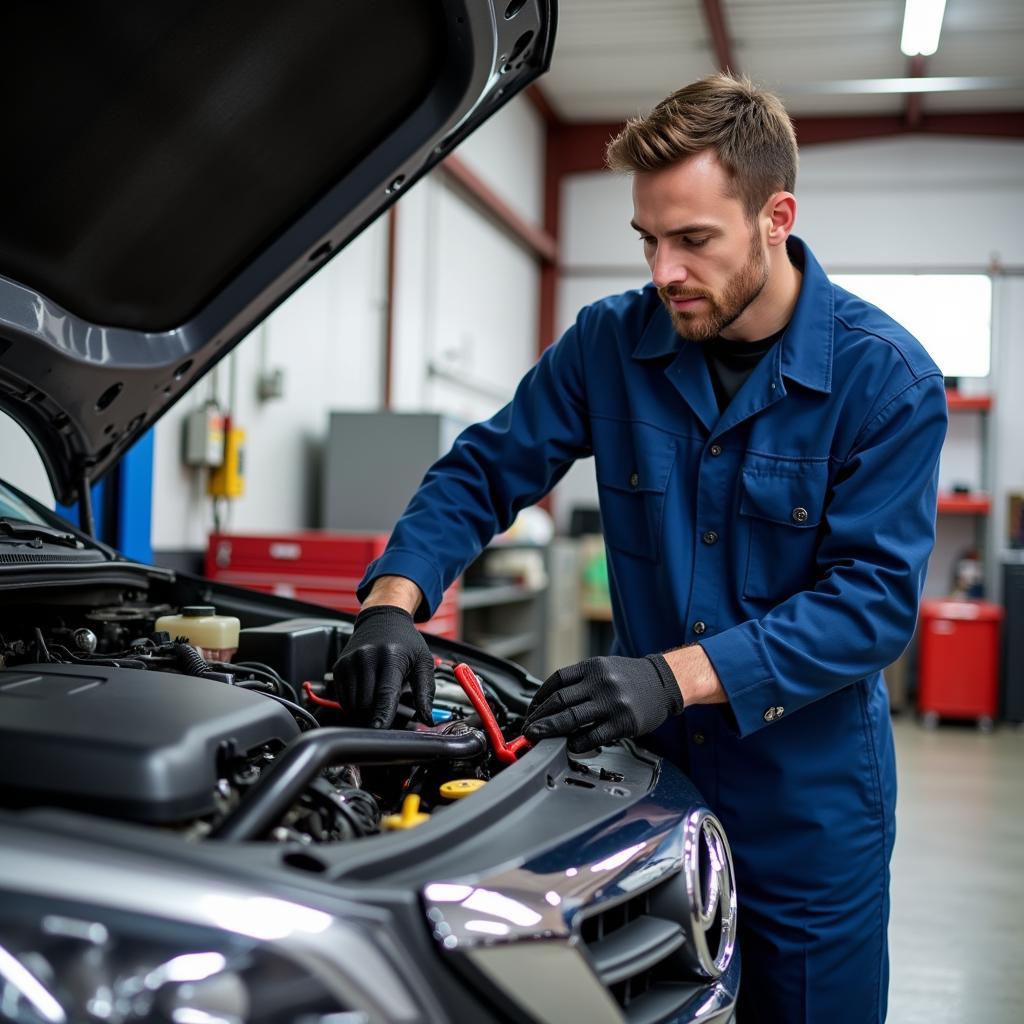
(317, 699)
(505, 752)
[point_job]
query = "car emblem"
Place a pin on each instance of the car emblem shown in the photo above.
(710, 882)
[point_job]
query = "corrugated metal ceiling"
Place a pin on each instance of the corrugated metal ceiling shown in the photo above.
(614, 58)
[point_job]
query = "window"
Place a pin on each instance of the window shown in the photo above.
(950, 314)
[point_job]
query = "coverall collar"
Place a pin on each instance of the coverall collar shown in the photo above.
(806, 347)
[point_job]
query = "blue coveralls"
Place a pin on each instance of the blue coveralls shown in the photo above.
(787, 535)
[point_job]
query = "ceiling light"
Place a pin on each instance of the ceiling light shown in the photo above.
(922, 23)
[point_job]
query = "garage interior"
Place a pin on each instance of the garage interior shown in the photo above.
(287, 468)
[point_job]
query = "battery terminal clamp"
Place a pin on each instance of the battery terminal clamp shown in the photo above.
(507, 753)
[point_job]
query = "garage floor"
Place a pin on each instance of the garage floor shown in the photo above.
(957, 928)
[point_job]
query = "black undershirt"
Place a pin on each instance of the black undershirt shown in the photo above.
(731, 362)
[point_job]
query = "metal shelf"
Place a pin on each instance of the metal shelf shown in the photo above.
(506, 615)
(506, 646)
(489, 596)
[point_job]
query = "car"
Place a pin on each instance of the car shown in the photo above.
(199, 835)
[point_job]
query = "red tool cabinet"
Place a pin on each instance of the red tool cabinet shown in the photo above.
(958, 673)
(322, 566)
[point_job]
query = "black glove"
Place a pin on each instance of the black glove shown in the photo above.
(383, 652)
(604, 699)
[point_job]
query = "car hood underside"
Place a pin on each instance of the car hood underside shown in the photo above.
(176, 170)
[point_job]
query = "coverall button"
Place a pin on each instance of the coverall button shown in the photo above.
(715, 449)
(799, 514)
(778, 710)
(698, 738)
(710, 537)
(634, 480)
(769, 714)
(699, 626)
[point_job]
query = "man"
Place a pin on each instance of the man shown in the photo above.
(766, 448)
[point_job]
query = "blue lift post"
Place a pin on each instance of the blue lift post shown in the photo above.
(123, 503)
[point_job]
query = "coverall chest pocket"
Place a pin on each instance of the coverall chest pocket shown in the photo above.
(782, 504)
(634, 462)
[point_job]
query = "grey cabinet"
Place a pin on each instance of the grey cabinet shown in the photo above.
(373, 463)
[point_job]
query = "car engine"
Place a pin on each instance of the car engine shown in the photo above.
(102, 713)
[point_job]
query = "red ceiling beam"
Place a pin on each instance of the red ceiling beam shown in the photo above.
(714, 18)
(542, 105)
(558, 146)
(576, 148)
(913, 109)
(537, 240)
(1006, 124)
(580, 147)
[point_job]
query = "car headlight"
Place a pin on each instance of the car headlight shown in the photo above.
(62, 961)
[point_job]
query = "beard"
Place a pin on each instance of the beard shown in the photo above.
(723, 308)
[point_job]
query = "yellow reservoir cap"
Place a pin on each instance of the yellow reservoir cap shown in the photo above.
(456, 789)
(410, 817)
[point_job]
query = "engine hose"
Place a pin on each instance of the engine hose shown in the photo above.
(281, 785)
(190, 661)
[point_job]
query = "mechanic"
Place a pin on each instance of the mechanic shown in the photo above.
(766, 448)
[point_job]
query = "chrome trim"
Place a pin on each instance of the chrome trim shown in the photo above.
(711, 887)
(667, 836)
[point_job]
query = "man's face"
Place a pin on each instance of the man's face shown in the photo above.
(707, 259)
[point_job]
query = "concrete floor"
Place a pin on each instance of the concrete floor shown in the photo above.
(956, 933)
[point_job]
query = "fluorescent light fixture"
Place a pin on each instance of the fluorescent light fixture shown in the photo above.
(883, 86)
(922, 23)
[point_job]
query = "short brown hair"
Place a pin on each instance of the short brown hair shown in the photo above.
(748, 129)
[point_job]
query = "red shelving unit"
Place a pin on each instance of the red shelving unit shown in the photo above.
(321, 566)
(977, 503)
(965, 504)
(957, 402)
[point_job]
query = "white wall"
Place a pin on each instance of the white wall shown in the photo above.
(20, 464)
(911, 204)
(466, 316)
(467, 293)
(508, 153)
(327, 338)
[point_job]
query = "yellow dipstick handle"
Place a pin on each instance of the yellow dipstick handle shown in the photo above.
(410, 817)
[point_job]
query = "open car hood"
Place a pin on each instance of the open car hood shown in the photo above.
(174, 170)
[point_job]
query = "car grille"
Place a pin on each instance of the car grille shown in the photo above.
(637, 948)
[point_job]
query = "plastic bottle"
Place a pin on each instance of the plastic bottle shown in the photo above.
(969, 576)
(215, 635)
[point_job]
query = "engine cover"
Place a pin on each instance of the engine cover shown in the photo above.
(126, 742)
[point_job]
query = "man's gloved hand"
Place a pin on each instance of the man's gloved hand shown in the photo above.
(604, 699)
(384, 650)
